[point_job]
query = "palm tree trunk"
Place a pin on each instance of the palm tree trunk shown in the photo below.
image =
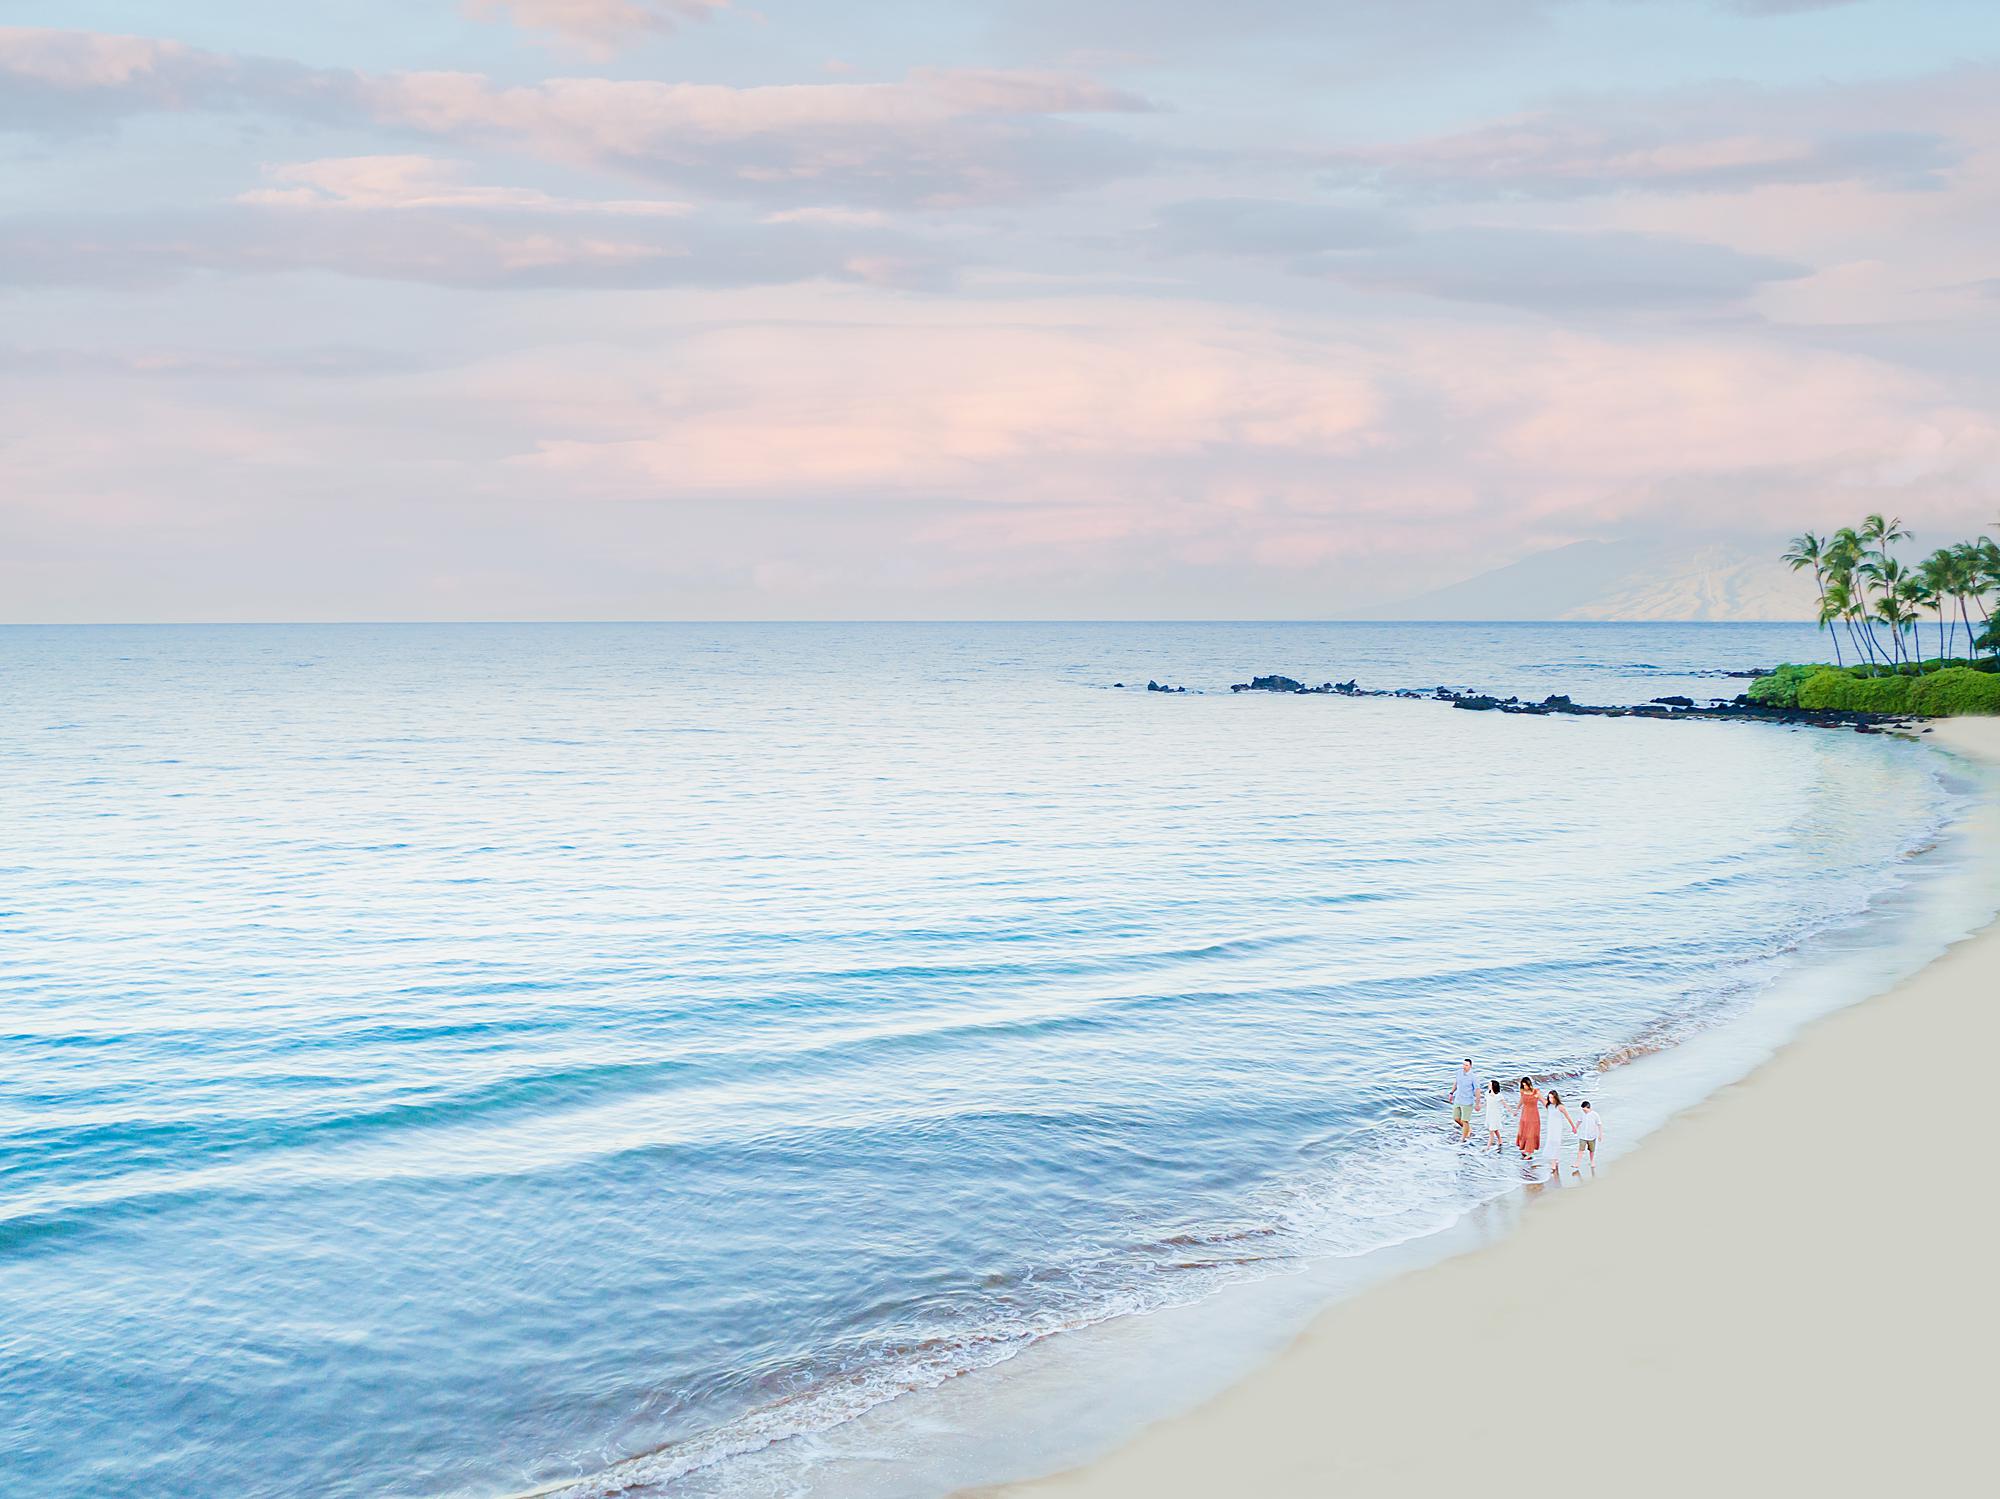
(1864, 646)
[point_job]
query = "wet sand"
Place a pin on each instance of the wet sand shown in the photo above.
(1794, 1287)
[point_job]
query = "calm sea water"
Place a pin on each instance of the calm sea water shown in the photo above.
(451, 1060)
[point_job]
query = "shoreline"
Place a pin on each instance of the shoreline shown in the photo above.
(1725, 1286)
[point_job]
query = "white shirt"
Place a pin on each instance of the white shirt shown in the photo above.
(1588, 1127)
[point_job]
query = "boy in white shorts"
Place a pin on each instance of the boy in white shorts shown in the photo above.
(1589, 1130)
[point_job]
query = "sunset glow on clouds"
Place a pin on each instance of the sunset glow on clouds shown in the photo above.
(668, 308)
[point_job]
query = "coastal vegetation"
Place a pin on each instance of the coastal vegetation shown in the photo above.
(1878, 610)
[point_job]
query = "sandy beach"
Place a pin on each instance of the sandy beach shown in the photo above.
(1791, 1286)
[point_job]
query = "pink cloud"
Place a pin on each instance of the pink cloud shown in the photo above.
(88, 60)
(596, 25)
(392, 182)
(937, 136)
(632, 117)
(810, 433)
(1550, 156)
(1005, 409)
(1720, 307)
(1245, 435)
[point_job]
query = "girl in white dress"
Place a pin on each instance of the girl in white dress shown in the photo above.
(1557, 1130)
(1496, 1114)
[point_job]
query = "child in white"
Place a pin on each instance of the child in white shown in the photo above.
(1589, 1130)
(1496, 1114)
(1557, 1128)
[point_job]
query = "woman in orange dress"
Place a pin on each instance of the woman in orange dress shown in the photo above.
(1529, 1136)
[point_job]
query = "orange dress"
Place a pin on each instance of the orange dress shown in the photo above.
(1529, 1136)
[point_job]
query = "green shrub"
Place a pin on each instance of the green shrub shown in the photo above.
(1781, 688)
(1882, 695)
(1945, 663)
(1938, 694)
(1823, 688)
(1955, 690)
(1844, 692)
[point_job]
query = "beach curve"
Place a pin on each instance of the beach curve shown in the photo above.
(1788, 1285)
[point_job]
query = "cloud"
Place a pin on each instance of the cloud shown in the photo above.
(53, 82)
(1393, 349)
(1782, 7)
(489, 248)
(1351, 39)
(1266, 226)
(1632, 414)
(1076, 456)
(1359, 30)
(1542, 270)
(1130, 417)
(85, 61)
(1552, 155)
(325, 361)
(937, 137)
(375, 182)
(596, 25)
(1033, 407)
(1555, 270)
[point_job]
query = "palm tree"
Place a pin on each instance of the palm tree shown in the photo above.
(1957, 578)
(1986, 578)
(1878, 534)
(1862, 583)
(1934, 579)
(1844, 556)
(1882, 534)
(1833, 609)
(1810, 551)
(1896, 606)
(1892, 582)
(1964, 581)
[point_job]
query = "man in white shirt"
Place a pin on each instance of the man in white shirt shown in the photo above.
(1589, 1130)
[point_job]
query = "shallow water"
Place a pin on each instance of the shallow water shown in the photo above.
(449, 1060)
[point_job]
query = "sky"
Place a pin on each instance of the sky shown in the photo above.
(700, 309)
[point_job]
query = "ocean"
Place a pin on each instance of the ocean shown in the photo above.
(474, 1060)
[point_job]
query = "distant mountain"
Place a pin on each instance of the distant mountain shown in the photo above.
(1631, 580)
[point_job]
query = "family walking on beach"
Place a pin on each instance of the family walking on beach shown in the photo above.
(1489, 1106)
